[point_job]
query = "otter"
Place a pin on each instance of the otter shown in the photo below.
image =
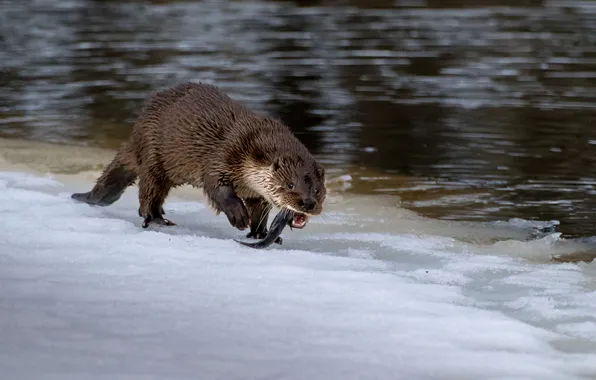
(245, 163)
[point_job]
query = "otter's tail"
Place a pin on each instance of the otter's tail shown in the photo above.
(110, 186)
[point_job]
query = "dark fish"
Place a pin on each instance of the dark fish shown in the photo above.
(282, 219)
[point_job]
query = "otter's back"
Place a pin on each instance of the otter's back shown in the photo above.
(179, 128)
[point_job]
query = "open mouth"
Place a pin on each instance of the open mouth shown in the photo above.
(299, 220)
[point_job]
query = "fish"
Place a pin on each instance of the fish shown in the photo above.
(282, 219)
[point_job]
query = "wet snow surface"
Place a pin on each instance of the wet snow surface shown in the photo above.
(88, 294)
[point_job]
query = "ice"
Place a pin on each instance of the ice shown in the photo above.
(86, 293)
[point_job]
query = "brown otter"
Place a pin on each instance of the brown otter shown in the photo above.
(195, 134)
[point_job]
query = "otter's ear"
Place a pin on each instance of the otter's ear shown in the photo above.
(321, 171)
(275, 163)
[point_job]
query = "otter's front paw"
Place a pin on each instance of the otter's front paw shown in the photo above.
(261, 235)
(236, 212)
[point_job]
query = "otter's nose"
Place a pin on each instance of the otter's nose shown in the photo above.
(308, 204)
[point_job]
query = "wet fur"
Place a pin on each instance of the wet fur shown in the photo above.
(195, 134)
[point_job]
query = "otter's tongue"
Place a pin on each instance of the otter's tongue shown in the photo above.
(299, 221)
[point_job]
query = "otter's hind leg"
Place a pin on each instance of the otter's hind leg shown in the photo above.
(112, 183)
(258, 209)
(152, 194)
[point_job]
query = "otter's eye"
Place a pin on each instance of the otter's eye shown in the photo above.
(317, 191)
(290, 186)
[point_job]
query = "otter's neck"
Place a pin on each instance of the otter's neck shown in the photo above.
(258, 178)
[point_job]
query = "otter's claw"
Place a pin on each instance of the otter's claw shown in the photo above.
(159, 221)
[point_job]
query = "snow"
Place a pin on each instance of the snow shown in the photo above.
(85, 293)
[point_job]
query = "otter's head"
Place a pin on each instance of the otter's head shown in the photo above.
(298, 185)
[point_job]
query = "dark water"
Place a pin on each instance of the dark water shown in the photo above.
(465, 110)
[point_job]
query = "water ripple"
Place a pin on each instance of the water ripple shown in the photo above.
(470, 97)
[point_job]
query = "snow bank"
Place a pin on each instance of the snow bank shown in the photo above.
(85, 293)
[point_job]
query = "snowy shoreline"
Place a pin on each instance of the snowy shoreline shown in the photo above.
(87, 294)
